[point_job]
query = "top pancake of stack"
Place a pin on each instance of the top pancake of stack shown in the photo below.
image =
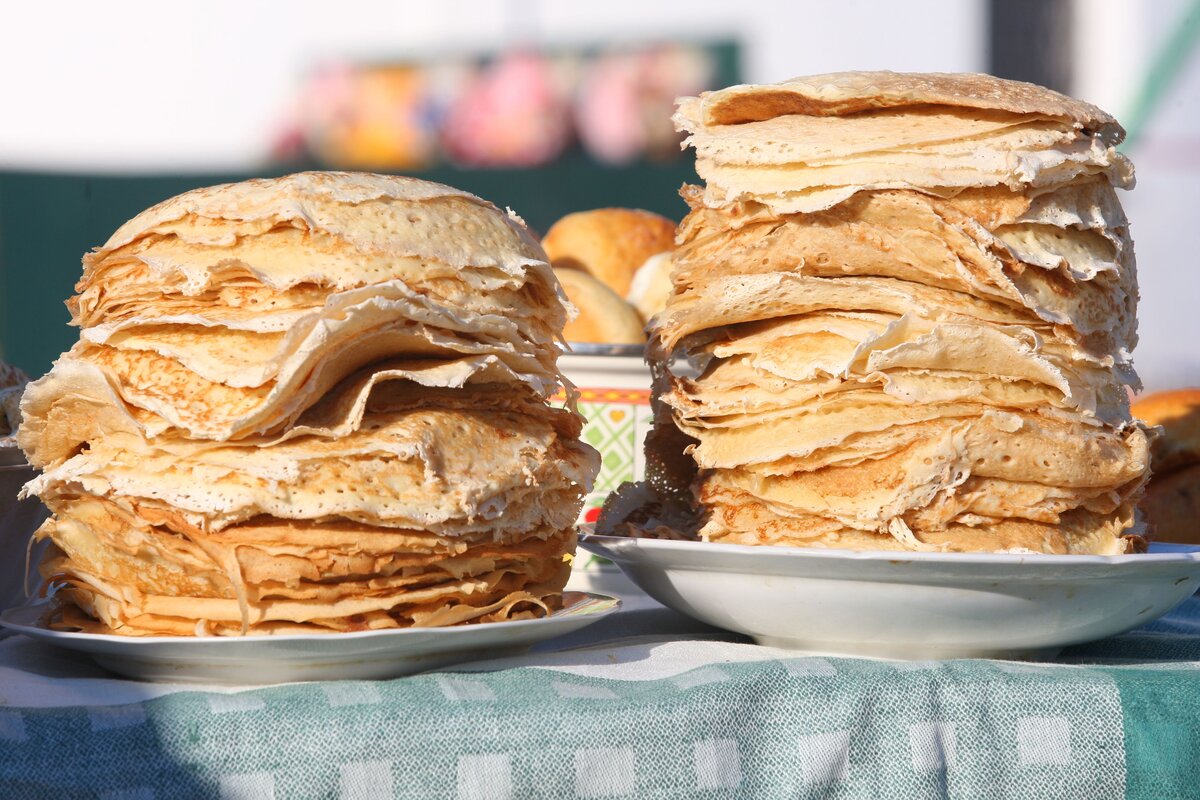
(226, 312)
(808, 143)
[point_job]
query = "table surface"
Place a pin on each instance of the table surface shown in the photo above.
(645, 703)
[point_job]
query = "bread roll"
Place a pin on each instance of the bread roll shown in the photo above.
(603, 316)
(1178, 412)
(651, 286)
(608, 243)
(1172, 506)
(1172, 502)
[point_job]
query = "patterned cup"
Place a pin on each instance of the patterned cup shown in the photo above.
(614, 387)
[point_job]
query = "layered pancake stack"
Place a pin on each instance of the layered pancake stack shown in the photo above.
(313, 403)
(912, 299)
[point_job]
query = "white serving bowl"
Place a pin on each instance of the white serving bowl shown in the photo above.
(906, 605)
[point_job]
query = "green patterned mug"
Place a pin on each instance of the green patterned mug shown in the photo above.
(614, 388)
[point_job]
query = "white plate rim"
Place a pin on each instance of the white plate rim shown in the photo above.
(595, 607)
(615, 546)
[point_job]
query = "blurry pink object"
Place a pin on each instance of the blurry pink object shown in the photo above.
(608, 118)
(327, 107)
(511, 114)
(626, 100)
(668, 72)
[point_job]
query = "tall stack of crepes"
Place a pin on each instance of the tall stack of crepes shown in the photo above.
(912, 301)
(315, 403)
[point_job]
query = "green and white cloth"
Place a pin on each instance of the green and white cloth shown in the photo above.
(644, 704)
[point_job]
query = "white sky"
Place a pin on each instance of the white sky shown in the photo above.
(145, 84)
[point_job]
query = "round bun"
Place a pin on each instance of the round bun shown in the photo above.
(1178, 412)
(1172, 501)
(651, 286)
(609, 243)
(604, 317)
(1172, 506)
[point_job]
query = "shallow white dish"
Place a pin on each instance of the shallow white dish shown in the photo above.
(312, 657)
(907, 605)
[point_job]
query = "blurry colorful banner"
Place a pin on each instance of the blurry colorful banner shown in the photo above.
(521, 108)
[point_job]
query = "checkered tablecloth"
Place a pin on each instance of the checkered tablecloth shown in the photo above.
(644, 704)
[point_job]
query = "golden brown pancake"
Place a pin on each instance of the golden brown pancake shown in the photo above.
(910, 303)
(312, 403)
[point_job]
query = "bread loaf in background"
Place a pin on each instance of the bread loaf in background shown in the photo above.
(1172, 501)
(610, 244)
(602, 316)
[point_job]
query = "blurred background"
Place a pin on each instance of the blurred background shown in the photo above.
(547, 107)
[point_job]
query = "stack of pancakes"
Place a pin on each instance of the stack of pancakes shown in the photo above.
(912, 299)
(314, 403)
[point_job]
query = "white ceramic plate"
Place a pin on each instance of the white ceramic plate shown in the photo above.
(907, 605)
(312, 657)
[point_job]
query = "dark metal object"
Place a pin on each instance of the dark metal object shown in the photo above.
(18, 520)
(594, 349)
(1030, 40)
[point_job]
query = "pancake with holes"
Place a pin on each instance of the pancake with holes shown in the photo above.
(912, 302)
(312, 403)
